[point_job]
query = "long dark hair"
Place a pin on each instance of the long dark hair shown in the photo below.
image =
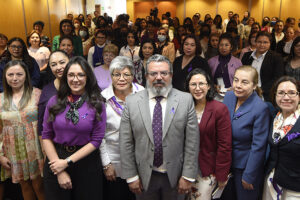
(67, 21)
(92, 90)
(211, 93)
(147, 40)
(8, 93)
(198, 47)
(292, 54)
(26, 58)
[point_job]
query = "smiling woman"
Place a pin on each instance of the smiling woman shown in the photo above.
(18, 119)
(73, 128)
(283, 163)
(40, 54)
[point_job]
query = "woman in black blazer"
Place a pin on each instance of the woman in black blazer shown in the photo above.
(190, 60)
(283, 172)
(271, 67)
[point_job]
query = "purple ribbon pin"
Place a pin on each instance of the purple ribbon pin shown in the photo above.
(190, 69)
(292, 136)
(84, 116)
(173, 110)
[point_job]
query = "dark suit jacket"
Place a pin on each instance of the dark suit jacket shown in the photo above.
(272, 68)
(250, 128)
(179, 74)
(215, 141)
(285, 158)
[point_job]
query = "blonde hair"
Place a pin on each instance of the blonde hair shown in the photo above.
(111, 48)
(253, 72)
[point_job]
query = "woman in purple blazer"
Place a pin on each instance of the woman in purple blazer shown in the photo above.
(223, 66)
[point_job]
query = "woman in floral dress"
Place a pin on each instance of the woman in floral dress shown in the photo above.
(21, 156)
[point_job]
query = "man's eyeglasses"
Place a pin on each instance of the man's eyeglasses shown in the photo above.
(155, 74)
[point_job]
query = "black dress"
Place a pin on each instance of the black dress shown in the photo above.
(179, 74)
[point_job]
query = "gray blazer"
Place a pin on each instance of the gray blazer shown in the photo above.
(180, 138)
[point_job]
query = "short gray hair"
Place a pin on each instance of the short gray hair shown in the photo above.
(158, 58)
(120, 63)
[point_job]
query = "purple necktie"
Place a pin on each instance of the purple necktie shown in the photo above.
(157, 132)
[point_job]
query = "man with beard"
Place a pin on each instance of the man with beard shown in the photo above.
(159, 137)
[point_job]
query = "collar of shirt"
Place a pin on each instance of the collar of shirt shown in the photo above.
(129, 49)
(108, 93)
(260, 57)
(101, 46)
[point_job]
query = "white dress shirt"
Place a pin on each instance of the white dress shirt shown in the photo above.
(152, 103)
(257, 62)
(133, 54)
(110, 148)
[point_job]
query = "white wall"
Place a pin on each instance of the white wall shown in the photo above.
(112, 7)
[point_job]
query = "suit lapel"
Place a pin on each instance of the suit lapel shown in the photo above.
(206, 114)
(171, 108)
(245, 107)
(143, 104)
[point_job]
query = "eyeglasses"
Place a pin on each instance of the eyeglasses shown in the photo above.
(200, 84)
(155, 74)
(118, 76)
(15, 47)
(291, 93)
(78, 76)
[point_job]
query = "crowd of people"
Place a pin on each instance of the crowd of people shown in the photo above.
(152, 110)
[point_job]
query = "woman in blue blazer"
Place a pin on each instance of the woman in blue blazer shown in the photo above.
(250, 126)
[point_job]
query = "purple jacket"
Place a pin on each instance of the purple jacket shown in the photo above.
(232, 65)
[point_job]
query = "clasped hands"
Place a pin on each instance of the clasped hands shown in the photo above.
(58, 165)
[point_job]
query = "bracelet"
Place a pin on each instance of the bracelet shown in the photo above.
(106, 166)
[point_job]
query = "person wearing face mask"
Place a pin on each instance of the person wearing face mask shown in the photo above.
(77, 25)
(86, 40)
(165, 47)
(40, 54)
(170, 29)
(66, 27)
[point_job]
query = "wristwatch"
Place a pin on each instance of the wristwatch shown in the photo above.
(69, 162)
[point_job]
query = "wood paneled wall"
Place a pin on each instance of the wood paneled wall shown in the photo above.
(259, 8)
(18, 16)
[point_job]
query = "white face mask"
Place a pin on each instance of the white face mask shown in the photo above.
(82, 34)
(165, 26)
(161, 38)
(76, 25)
